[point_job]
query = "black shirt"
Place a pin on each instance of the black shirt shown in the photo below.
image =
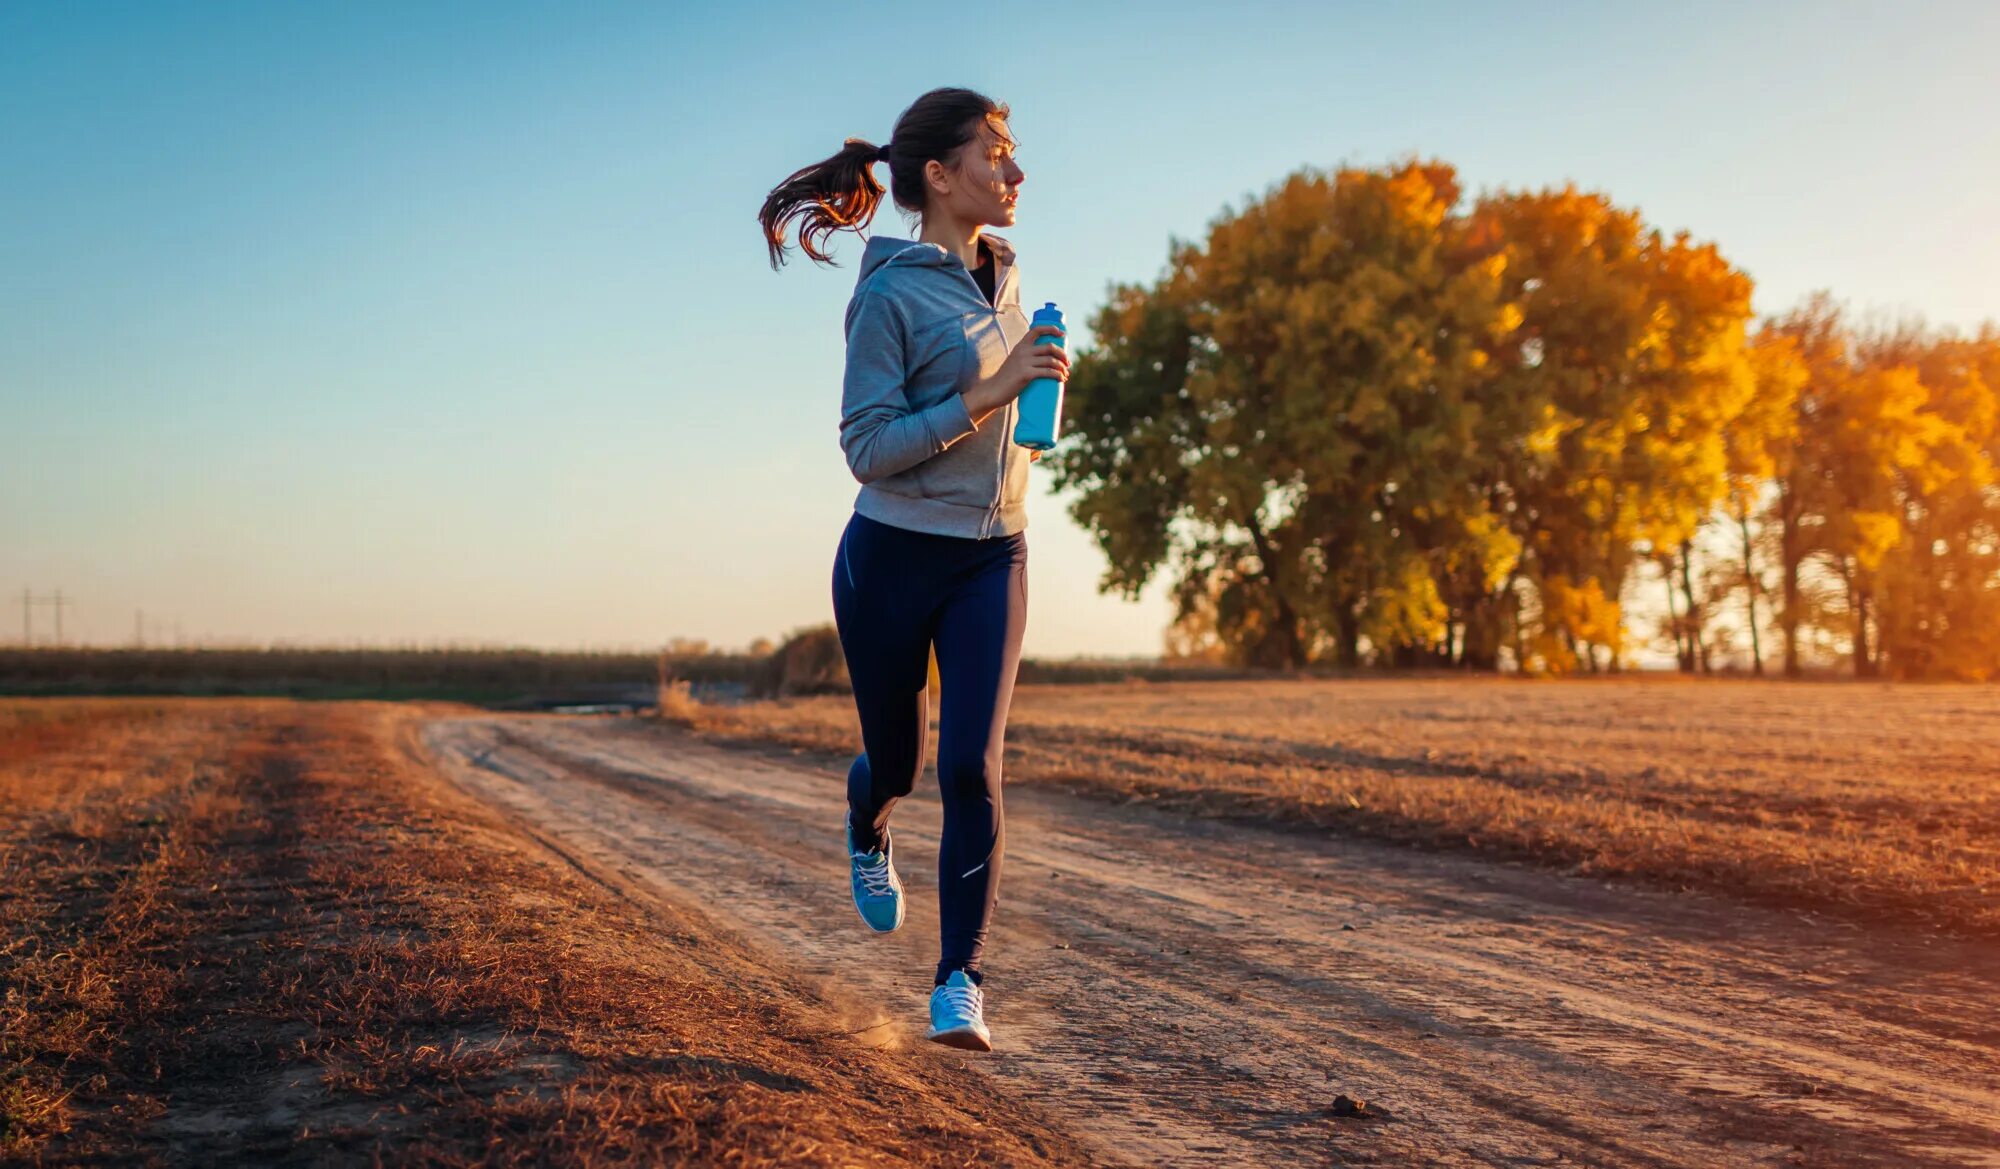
(983, 275)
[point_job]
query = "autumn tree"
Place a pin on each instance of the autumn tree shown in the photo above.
(1758, 445)
(1706, 577)
(1360, 420)
(1802, 495)
(1630, 353)
(1882, 505)
(1292, 423)
(1936, 590)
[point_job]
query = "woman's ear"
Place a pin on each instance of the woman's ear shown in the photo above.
(938, 177)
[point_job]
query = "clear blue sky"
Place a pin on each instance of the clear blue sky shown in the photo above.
(427, 322)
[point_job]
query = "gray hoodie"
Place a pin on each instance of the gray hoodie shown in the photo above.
(919, 332)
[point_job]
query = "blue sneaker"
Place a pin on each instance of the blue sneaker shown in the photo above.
(878, 892)
(958, 1015)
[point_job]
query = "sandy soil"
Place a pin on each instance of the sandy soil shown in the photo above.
(1182, 991)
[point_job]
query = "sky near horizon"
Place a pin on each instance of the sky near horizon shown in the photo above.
(391, 323)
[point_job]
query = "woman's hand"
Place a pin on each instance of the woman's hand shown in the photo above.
(1029, 360)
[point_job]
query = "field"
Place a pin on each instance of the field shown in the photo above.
(515, 678)
(1410, 921)
(1871, 801)
(258, 932)
(450, 674)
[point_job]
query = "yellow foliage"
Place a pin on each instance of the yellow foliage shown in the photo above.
(1463, 408)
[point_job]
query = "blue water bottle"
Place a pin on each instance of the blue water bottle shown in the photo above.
(1041, 403)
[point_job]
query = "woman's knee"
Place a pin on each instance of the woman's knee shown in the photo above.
(969, 774)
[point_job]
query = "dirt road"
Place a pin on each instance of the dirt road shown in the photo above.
(1188, 992)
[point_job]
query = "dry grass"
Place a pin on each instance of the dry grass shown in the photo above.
(1873, 801)
(676, 703)
(261, 932)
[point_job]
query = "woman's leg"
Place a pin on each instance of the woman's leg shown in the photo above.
(887, 645)
(979, 650)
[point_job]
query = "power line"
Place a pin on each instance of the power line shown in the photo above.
(29, 601)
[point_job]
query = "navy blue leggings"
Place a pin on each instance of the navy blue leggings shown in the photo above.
(895, 592)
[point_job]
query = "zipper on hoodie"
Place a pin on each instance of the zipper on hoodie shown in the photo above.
(1006, 440)
(1006, 432)
(992, 516)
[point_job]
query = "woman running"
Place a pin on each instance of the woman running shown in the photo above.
(935, 553)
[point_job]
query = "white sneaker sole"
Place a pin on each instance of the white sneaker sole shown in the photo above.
(902, 911)
(963, 1038)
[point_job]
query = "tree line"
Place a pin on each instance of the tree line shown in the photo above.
(1369, 421)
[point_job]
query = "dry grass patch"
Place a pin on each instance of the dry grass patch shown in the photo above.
(261, 932)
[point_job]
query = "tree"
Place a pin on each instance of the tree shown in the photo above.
(1802, 497)
(1291, 421)
(1758, 444)
(1360, 421)
(1937, 590)
(1631, 354)
(1888, 493)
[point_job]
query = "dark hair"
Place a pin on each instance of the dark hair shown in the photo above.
(841, 191)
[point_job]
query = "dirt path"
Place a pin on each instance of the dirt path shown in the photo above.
(1186, 992)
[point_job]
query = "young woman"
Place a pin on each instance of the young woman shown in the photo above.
(935, 553)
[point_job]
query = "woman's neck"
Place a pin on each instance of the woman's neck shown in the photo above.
(961, 239)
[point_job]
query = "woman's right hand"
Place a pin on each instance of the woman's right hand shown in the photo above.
(1033, 358)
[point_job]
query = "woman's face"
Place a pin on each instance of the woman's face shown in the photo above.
(987, 181)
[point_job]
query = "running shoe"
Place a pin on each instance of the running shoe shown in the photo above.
(958, 1015)
(878, 892)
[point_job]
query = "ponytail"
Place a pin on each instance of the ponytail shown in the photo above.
(841, 191)
(823, 198)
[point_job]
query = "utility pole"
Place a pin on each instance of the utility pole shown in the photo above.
(138, 629)
(29, 600)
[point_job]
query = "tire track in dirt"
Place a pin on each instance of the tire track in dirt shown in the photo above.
(1188, 992)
